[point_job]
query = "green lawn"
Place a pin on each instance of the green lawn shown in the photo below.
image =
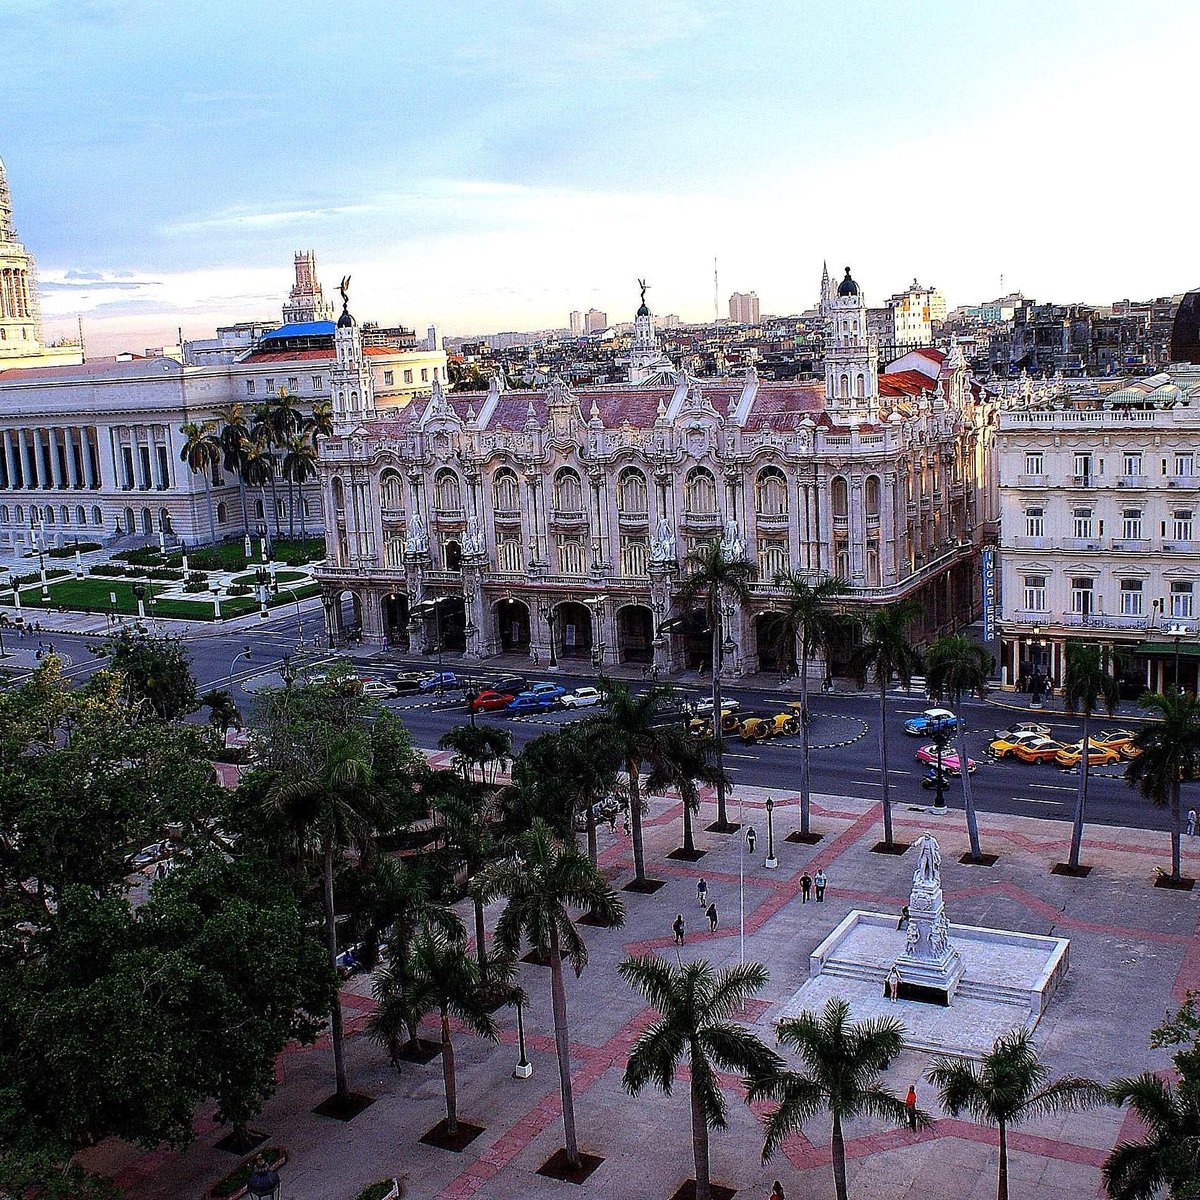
(231, 556)
(92, 595)
(280, 577)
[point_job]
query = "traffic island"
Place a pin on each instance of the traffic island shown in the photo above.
(441, 1137)
(558, 1167)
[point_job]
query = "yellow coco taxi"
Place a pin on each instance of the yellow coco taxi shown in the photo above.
(1098, 756)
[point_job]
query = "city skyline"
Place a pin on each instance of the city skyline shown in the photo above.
(490, 171)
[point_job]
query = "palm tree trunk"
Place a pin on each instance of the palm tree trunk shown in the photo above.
(700, 1142)
(480, 938)
(805, 791)
(292, 509)
(635, 821)
(718, 738)
(689, 842)
(275, 501)
(968, 801)
(335, 1015)
(563, 1045)
(590, 819)
(448, 1076)
(883, 763)
(839, 1158)
(300, 501)
(1002, 1175)
(1176, 872)
(245, 510)
(1080, 796)
(212, 524)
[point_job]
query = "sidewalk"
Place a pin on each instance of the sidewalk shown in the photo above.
(1121, 929)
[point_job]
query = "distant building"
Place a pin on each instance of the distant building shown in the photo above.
(306, 301)
(915, 311)
(577, 326)
(743, 308)
(595, 321)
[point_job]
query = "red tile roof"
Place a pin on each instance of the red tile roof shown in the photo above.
(320, 353)
(905, 383)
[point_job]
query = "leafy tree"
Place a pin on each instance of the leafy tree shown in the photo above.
(50, 1175)
(540, 883)
(710, 582)
(485, 748)
(222, 710)
(1007, 1086)
(1170, 754)
(1089, 682)
(201, 450)
(843, 1061)
(886, 653)
(157, 670)
(695, 1003)
(954, 668)
(811, 617)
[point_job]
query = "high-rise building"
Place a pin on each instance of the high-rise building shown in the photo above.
(743, 308)
(306, 302)
(576, 323)
(595, 321)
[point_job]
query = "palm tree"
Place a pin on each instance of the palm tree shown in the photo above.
(1007, 1086)
(683, 762)
(885, 652)
(234, 438)
(1170, 754)
(843, 1061)
(955, 667)
(443, 978)
(540, 882)
(695, 1003)
(299, 466)
(222, 710)
(812, 619)
(331, 797)
(258, 468)
(711, 581)
(1088, 682)
(1166, 1162)
(202, 452)
(319, 423)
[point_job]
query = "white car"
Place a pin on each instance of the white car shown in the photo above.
(584, 697)
(377, 689)
(704, 707)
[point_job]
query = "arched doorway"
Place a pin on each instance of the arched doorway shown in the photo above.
(776, 651)
(395, 620)
(130, 523)
(691, 640)
(446, 624)
(147, 522)
(635, 634)
(573, 630)
(348, 610)
(512, 626)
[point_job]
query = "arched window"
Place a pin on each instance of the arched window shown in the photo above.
(147, 522)
(339, 499)
(222, 514)
(568, 492)
(80, 515)
(4, 513)
(391, 492)
(631, 492)
(97, 515)
(20, 515)
(700, 492)
(447, 494)
(506, 495)
(260, 513)
(860, 386)
(49, 514)
(844, 387)
(838, 494)
(64, 515)
(770, 493)
(871, 495)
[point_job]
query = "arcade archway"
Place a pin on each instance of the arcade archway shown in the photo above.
(395, 620)
(573, 630)
(771, 643)
(512, 626)
(635, 634)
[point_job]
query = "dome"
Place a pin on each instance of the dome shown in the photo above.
(345, 320)
(643, 311)
(847, 287)
(1185, 333)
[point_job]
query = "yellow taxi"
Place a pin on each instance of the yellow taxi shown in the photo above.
(757, 729)
(1038, 749)
(1098, 755)
(1114, 739)
(1129, 752)
(703, 726)
(1005, 745)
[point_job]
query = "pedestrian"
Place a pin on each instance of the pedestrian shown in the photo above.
(751, 838)
(893, 984)
(701, 892)
(1191, 825)
(612, 821)
(711, 914)
(805, 887)
(777, 1192)
(678, 927)
(910, 1105)
(625, 822)
(902, 923)
(820, 881)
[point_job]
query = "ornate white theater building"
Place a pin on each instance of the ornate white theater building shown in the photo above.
(555, 522)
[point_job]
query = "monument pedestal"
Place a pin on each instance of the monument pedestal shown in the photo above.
(930, 967)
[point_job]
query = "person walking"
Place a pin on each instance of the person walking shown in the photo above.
(701, 892)
(777, 1192)
(679, 928)
(893, 984)
(711, 914)
(910, 1106)
(1191, 822)
(805, 887)
(820, 883)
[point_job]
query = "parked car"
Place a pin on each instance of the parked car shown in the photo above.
(1023, 727)
(583, 697)
(531, 702)
(950, 761)
(490, 700)
(730, 721)
(932, 720)
(150, 854)
(377, 689)
(1129, 752)
(704, 707)
(1098, 755)
(410, 681)
(1038, 749)
(1004, 745)
(514, 684)
(553, 691)
(440, 681)
(758, 729)
(1114, 739)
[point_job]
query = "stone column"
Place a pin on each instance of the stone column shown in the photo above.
(478, 641)
(855, 532)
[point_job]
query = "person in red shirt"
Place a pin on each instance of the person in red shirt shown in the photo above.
(776, 1192)
(910, 1103)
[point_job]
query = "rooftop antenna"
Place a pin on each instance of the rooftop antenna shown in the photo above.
(716, 294)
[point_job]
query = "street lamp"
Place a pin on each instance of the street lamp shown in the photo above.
(547, 613)
(46, 589)
(243, 653)
(263, 1183)
(524, 1068)
(1176, 632)
(772, 862)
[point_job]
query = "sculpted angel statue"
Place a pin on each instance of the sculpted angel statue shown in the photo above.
(344, 288)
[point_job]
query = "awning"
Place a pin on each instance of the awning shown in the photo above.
(1185, 649)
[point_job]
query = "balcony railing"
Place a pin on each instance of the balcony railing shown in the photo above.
(1152, 624)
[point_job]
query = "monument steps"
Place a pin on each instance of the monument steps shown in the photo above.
(968, 989)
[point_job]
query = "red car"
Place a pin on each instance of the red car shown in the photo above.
(490, 701)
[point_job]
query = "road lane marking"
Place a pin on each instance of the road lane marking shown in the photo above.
(1034, 800)
(1053, 787)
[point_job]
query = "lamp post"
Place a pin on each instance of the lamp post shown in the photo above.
(1176, 632)
(46, 589)
(287, 671)
(139, 594)
(772, 862)
(329, 621)
(547, 613)
(524, 1068)
(939, 781)
(243, 653)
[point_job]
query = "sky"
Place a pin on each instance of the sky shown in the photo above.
(493, 165)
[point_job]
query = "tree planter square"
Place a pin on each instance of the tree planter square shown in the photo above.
(717, 827)
(344, 1108)
(233, 1186)
(424, 1051)
(984, 860)
(687, 1191)
(588, 918)
(682, 855)
(803, 839)
(458, 1141)
(231, 1143)
(647, 887)
(1179, 885)
(557, 1167)
(894, 848)
(1079, 872)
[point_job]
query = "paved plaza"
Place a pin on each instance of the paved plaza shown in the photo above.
(1135, 950)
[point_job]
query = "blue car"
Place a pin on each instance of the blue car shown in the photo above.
(439, 680)
(530, 702)
(932, 720)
